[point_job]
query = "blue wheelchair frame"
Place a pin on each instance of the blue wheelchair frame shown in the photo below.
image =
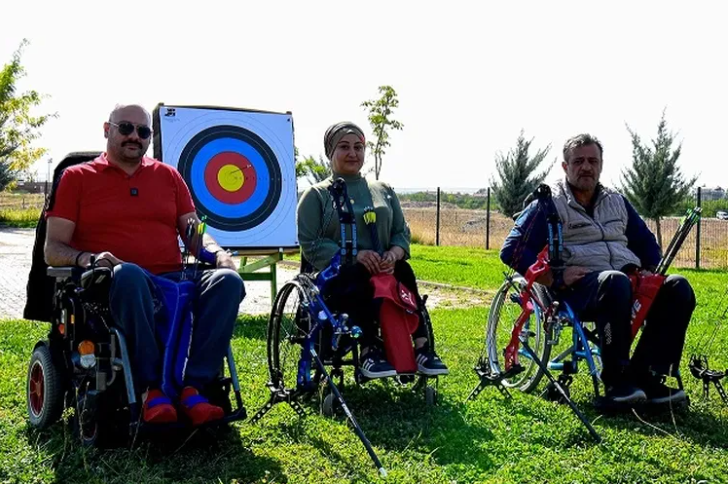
(313, 304)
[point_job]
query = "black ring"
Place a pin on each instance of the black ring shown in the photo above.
(261, 214)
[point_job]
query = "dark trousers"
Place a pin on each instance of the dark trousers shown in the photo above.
(606, 297)
(351, 292)
(132, 305)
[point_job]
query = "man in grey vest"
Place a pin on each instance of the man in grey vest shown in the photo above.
(603, 238)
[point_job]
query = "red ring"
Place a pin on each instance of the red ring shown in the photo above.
(248, 172)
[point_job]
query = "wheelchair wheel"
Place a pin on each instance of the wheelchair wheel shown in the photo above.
(44, 389)
(86, 424)
(288, 326)
(503, 313)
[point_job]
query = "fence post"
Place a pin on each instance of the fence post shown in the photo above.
(487, 220)
(437, 220)
(697, 232)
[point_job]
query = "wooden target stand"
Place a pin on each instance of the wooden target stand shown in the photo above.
(255, 271)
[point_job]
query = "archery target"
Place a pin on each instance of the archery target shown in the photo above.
(239, 167)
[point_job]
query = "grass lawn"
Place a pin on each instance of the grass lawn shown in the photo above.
(526, 439)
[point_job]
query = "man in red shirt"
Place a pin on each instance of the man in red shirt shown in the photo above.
(126, 210)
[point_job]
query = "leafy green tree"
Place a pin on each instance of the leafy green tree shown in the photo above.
(18, 127)
(654, 183)
(380, 113)
(315, 170)
(517, 177)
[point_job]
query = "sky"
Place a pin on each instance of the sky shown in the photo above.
(469, 75)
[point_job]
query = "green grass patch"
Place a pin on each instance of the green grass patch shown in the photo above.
(462, 266)
(524, 440)
(22, 218)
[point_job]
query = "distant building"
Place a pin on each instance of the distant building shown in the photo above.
(708, 194)
(30, 187)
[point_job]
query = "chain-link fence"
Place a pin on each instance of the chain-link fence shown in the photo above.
(452, 217)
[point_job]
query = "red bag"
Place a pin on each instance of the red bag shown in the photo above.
(644, 291)
(398, 318)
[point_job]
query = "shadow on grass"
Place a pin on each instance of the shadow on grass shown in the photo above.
(695, 424)
(251, 327)
(396, 420)
(202, 456)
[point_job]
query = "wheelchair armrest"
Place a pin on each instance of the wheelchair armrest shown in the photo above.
(65, 272)
(84, 277)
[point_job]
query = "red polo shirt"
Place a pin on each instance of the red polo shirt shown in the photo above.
(132, 216)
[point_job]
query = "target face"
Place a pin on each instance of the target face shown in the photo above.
(233, 176)
(239, 167)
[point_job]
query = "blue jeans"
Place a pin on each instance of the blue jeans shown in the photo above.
(132, 305)
(606, 297)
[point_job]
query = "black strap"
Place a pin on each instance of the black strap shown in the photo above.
(345, 211)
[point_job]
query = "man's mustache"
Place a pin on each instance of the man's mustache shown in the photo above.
(131, 143)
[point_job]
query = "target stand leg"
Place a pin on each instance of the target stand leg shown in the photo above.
(249, 272)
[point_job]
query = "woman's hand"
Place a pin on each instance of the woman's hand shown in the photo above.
(390, 258)
(370, 260)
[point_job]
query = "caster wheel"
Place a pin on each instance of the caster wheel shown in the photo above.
(430, 396)
(553, 395)
(328, 404)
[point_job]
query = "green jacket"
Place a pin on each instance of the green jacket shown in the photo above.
(319, 232)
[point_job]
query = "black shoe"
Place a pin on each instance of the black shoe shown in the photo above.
(624, 393)
(658, 393)
(428, 363)
(373, 365)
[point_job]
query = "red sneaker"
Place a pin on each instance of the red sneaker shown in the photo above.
(158, 408)
(197, 408)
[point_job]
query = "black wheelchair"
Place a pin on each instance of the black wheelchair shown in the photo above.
(84, 363)
(309, 345)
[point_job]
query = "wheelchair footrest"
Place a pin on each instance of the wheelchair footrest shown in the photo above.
(144, 428)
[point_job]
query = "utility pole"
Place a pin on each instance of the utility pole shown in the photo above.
(48, 176)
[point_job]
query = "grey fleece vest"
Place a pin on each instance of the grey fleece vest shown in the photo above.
(597, 243)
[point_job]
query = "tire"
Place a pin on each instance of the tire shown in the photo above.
(287, 328)
(503, 313)
(328, 404)
(44, 389)
(87, 426)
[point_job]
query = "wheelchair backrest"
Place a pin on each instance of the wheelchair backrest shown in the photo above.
(39, 290)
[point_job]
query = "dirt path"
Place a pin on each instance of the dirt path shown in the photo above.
(16, 246)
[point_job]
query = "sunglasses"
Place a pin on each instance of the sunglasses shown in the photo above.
(126, 128)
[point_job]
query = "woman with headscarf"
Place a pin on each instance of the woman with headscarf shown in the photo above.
(319, 235)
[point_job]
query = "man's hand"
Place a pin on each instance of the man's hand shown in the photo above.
(546, 279)
(223, 260)
(573, 274)
(370, 260)
(103, 259)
